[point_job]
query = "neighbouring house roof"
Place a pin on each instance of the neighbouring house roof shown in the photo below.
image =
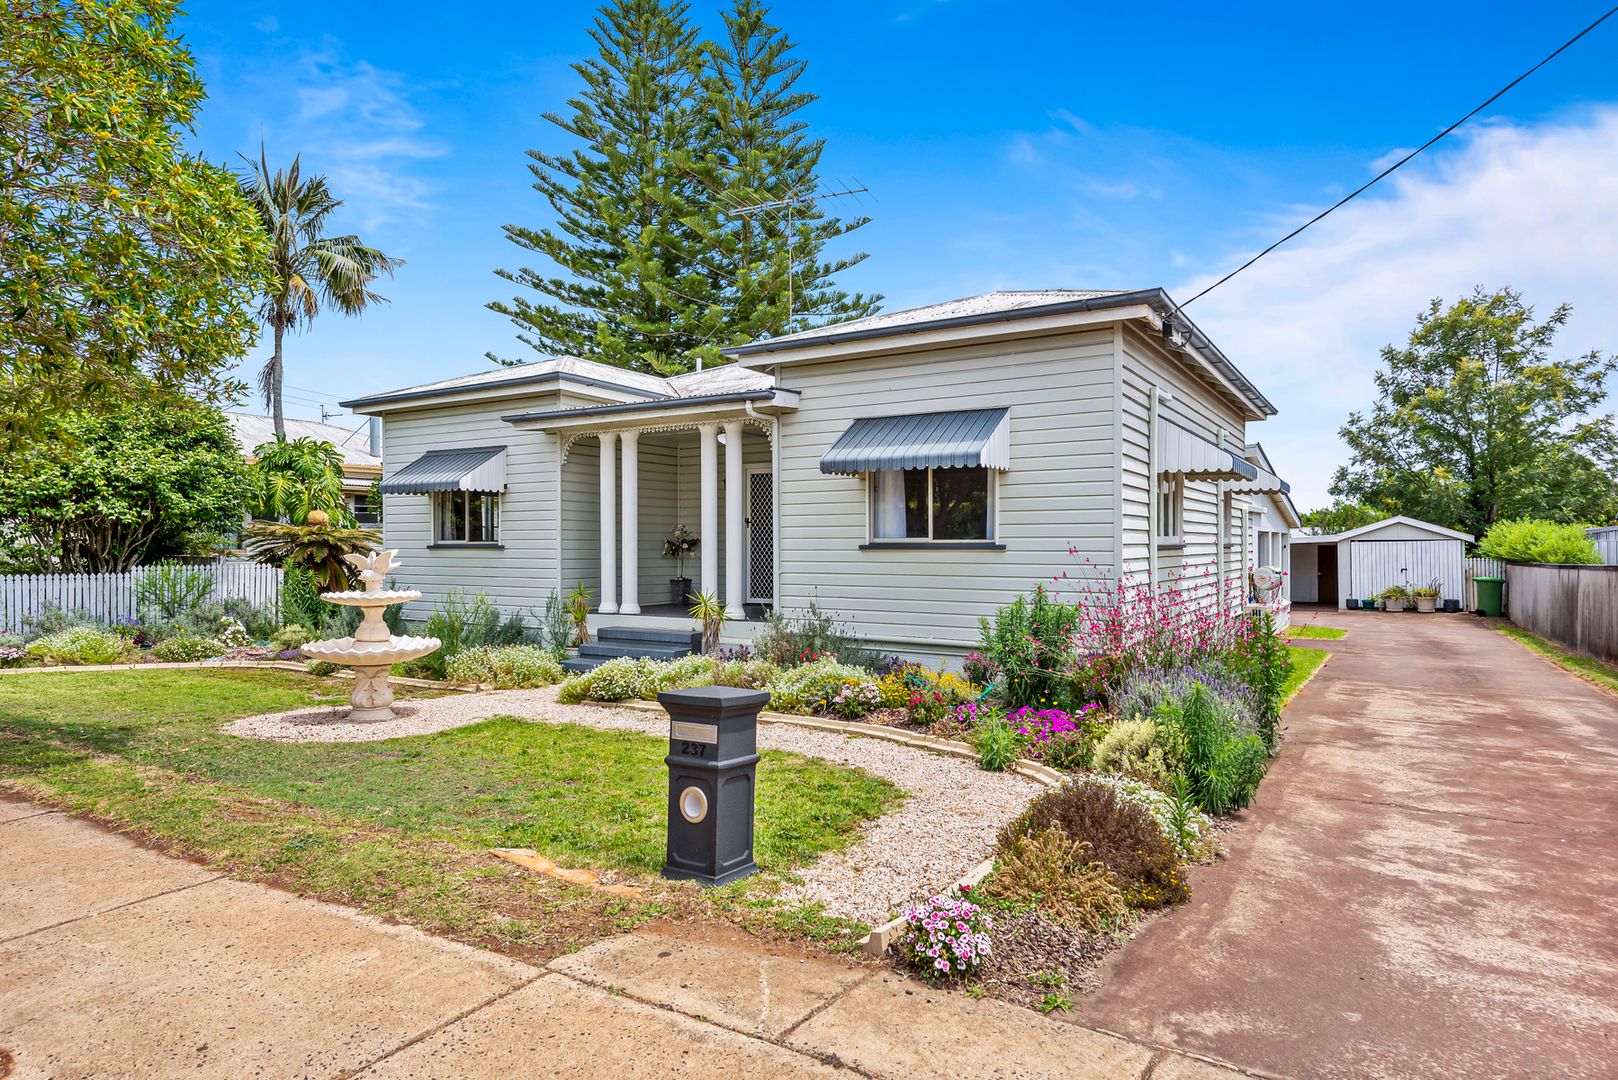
(941, 440)
(253, 431)
(1438, 531)
(1002, 307)
(579, 372)
(473, 468)
(1184, 452)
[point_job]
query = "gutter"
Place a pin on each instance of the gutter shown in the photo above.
(658, 404)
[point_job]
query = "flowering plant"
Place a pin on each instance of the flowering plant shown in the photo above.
(856, 699)
(946, 937)
(926, 707)
(973, 713)
(12, 654)
(232, 634)
(680, 543)
(979, 668)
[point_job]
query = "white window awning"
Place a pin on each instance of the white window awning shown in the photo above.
(1184, 452)
(1265, 483)
(480, 469)
(973, 438)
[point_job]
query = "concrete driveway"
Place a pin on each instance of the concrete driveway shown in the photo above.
(1425, 887)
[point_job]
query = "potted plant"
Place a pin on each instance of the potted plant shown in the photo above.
(680, 543)
(1427, 596)
(1393, 598)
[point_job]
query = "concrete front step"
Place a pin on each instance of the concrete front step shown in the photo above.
(606, 650)
(678, 639)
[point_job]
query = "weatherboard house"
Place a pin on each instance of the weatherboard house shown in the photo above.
(908, 472)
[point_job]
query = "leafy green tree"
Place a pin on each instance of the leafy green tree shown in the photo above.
(1474, 422)
(1340, 517)
(620, 201)
(115, 486)
(658, 269)
(310, 266)
(123, 258)
(1526, 540)
(291, 477)
(764, 268)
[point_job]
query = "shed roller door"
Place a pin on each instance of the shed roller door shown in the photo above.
(1377, 564)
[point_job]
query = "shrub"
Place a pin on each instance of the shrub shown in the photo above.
(1136, 749)
(1121, 836)
(505, 666)
(999, 744)
(321, 667)
(80, 645)
(946, 937)
(300, 599)
(557, 625)
(1146, 692)
(1531, 540)
(1031, 643)
(810, 687)
(747, 673)
(1260, 660)
(168, 592)
(12, 655)
(291, 636)
(814, 635)
(925, 708)
(232, 634)
(459, 622)
(260, 621)
(676, 674)
(619, 679)
(1191, 831)
(53, 619)
(1058, 876)
(1224, 765)
(186, 647)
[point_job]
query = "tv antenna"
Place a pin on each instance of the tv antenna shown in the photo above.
(788, 207)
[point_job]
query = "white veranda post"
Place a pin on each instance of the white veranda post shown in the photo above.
(708, 536)
(630, 604)
(735, 575)
(609, 523)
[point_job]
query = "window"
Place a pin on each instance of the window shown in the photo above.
(1171, 509)
(367, 511)
(467, 517)
(937, 505)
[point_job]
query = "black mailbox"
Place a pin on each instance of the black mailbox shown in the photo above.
(713, 763)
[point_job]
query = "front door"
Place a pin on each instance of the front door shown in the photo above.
(760, 536)
(1327, 555)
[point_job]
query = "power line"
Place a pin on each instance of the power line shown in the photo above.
(1496, 96)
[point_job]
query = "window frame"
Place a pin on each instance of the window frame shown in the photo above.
(991, 516)
(491, 519)
(1170, 514)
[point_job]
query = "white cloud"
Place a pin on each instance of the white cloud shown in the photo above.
(269, 24)
(1529, 206)
(355, 123)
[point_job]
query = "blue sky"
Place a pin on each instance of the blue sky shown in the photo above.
(1007, 146)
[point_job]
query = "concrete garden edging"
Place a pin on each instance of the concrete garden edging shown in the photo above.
(877, 942)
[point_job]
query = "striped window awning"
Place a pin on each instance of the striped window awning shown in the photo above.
(974, 438)
(1184, 452)
(1265, 483)
(474, 468)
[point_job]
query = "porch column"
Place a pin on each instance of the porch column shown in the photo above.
(631, 515)
(609, 522)
(708, 537)
(735, 542)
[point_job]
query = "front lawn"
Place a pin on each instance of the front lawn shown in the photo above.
(1305, 662)
(400, 827)
(1310, 630)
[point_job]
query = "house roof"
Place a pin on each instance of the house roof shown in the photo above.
(1004, 306)
(572, 369)
(253, 430)
(1365, 530)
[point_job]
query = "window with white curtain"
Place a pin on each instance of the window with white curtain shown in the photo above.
(936, 505)
(466, 517)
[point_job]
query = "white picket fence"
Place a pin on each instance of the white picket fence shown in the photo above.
(1476, 568)
(106, 597)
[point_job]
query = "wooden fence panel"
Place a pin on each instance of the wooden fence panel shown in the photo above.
(1575, 606)
(109, 597)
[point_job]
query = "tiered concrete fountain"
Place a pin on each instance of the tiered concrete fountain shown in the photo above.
(372, 650)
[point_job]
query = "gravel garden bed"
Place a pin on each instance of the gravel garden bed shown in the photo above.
(946, 826)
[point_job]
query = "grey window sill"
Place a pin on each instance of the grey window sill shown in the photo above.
(1170, 543)
(451, 545)
(934, 545)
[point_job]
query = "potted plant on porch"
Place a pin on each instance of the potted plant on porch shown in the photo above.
(1427, 596)
(680, 543)
(1394, 598)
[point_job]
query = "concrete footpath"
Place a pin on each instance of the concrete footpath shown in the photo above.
(117, 961)
(1425, 886)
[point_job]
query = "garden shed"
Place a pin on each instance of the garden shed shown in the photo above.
(1362, 562)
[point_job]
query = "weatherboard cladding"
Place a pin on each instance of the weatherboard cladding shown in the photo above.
(474, 468)
(944, 440)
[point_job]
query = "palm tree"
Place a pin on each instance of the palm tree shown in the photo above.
(310, 267)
